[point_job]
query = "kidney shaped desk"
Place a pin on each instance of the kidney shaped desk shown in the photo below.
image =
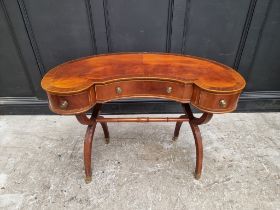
(77, 86)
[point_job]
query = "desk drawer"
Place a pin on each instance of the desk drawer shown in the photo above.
(69, 104)
(144, 88)
(215, 102)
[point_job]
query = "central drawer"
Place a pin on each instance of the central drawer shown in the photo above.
(144, 88)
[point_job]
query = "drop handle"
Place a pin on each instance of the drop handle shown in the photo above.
(118, 90)
(169, 90)
(223, 103)
(64, 104)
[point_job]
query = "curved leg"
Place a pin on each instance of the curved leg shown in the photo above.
(87, 151)
(105, 130)
(194, 122)
(177, 128)
(199, 149)
(91, 122)
(83, 119)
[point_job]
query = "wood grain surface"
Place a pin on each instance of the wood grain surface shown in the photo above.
(204, 83)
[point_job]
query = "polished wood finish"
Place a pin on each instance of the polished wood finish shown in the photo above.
(76, 103)
(177, 91)
(79, 85)
(207, 85)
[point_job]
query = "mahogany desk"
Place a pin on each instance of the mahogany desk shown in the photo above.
(77, 86)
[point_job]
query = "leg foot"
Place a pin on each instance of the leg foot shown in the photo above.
(174, 138)
(199, 149)
(107, 140)
(197, 176)
(87, 149)
(88, 179)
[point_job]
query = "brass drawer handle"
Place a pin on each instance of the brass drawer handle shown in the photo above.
(169, 90)
(223, 103)
(64, 104)
(118, 90)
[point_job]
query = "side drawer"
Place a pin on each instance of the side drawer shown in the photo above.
(72, 104)
(215, 102)
(143, 88)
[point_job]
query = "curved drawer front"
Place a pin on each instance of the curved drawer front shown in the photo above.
(215, 102)
(143, 88)
(69, 104)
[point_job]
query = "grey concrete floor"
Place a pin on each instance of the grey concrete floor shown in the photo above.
(41, 165)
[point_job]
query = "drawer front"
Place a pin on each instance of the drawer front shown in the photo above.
(143, 88)
(216, 103)
(72, 104)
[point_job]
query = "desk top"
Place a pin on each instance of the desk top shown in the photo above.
(78, 75)
(76, 86)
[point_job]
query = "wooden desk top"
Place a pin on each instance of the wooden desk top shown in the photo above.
(191, 76)
(78, 75)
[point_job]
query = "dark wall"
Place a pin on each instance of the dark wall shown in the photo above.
(38, 35)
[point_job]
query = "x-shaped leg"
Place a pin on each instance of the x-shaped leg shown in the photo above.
(91, 122)
(194, 122)
(95, 118)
